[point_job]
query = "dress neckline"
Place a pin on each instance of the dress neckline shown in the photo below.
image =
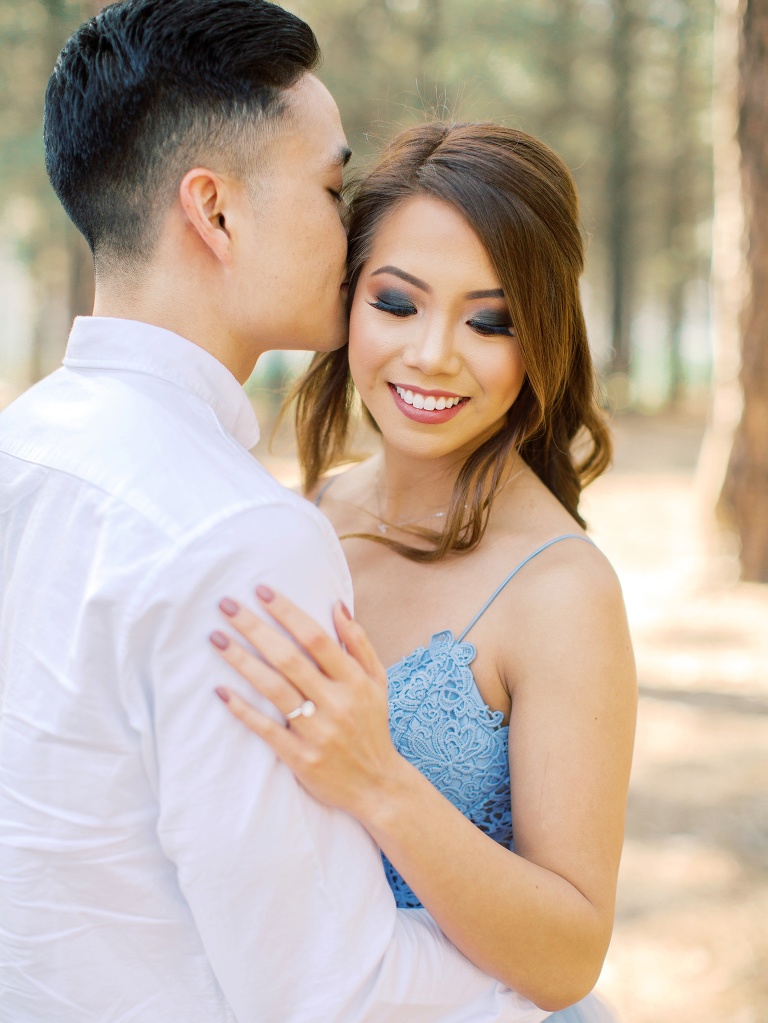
(462, 653)
(494, 595)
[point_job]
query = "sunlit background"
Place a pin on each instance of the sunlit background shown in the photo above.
(639, 96)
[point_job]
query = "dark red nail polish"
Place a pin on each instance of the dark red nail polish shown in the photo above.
(264, 593)
(220, 640)
(229, 606)
(222, 694)
(345, 610)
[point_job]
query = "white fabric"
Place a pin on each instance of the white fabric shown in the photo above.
(157, 864)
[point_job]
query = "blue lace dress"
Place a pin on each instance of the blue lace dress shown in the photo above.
(440, 723)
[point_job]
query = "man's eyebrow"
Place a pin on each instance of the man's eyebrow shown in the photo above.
(341, 158)
(396, 272)
(492, 293)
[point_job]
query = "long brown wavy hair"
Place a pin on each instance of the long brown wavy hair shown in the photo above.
(520, 199)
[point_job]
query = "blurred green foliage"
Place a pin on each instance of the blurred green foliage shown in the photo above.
(621, 88)
(31, 35)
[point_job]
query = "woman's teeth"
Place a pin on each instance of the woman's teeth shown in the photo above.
(427, 402)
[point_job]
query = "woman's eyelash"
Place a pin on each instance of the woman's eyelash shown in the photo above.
(483, 327)
(398, 305)
(393, 305)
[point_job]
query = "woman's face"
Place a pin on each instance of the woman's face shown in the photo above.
(432, 350)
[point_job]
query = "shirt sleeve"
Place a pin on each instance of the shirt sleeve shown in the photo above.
(289, 897)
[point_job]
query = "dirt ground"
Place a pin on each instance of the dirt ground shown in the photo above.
(691, 937)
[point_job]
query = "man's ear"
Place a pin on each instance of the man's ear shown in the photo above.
(203, 197)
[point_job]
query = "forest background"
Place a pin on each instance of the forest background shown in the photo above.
(621, 89)
(642, 99)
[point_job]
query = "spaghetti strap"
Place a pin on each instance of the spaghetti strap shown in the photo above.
(321, 492)
(513, 573)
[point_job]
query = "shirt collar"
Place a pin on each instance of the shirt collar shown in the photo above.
(100, 342)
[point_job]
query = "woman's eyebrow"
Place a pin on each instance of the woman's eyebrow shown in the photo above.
(396, 272)
(493, 293)
(423, 286)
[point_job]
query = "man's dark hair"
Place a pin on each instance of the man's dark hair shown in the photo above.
(148, 88)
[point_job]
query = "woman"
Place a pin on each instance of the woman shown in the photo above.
(469, 352)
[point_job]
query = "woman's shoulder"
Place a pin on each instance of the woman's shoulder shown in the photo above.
(561, 561)
(571, 570)
(316, 493)
(339, 484)
(568, 609)
(558, 583)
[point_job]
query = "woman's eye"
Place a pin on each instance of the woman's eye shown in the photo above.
(487, 328)
(395, 305)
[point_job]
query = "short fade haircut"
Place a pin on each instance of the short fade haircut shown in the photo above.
(146, 90)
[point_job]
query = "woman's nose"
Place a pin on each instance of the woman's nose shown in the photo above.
(433, 351)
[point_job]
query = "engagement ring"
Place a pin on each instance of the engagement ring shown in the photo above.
(306, 710)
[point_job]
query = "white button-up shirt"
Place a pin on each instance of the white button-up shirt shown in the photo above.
(157, 863)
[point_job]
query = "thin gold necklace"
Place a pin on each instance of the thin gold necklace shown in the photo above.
(384, 527)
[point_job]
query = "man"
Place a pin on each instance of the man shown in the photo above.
(157, 863)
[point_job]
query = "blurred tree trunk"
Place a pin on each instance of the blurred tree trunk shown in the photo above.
(745, 493)
(430, 30)
(678, 233)
(53, 37)
(621, 135)
(81, 281)
(560, 69)
(78, 289)
(728, 281)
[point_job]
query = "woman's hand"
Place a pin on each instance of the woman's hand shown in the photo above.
(341, 751)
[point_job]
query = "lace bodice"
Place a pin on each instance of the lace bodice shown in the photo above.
(440, 723)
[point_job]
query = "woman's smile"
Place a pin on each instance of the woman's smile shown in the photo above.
(468, 350)
(431, 338)
(427, 406)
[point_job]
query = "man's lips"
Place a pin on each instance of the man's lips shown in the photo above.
(427, 415)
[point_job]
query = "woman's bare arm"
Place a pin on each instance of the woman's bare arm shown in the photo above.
(540, 918)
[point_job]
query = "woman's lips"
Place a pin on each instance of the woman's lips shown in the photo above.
(423, 415)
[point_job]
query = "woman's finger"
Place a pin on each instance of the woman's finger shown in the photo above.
(283, 742)
(265, 680)
(277, 650)
(357, 644)
(324, 650)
